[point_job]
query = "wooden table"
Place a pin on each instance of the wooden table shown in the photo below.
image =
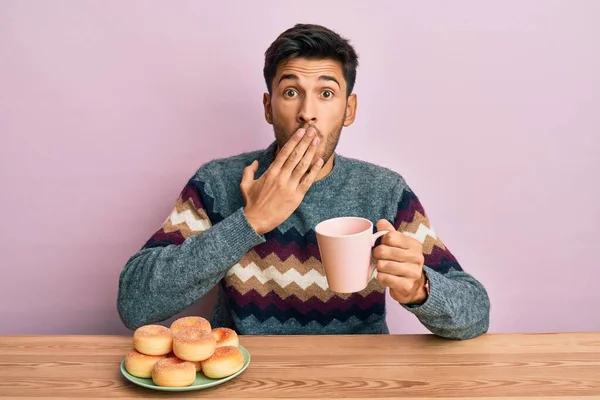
(524, 366)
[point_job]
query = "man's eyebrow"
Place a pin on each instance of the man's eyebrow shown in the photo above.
(288, 76)
(321, 78)
(329, 78)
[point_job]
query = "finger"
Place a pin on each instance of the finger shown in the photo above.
(402, 290)
(401, 240)
(309, 178)
(405, 270)
(392, 253)
(306, 160)
(385, 225)
(398, 283)
(249, 173)
(287, 149)
(298, 153)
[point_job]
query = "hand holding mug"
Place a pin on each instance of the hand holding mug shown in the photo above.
(400, 263)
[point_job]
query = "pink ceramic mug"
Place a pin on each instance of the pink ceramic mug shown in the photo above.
(345, 245)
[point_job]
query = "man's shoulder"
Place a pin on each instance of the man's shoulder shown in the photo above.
(231, 166)
(374, 174)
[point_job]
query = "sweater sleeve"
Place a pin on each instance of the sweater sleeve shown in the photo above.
(458, 306)
(183, 260)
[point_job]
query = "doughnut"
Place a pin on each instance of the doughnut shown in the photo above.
(140, 365)
(225, 337)
(192, 344)
(198, 365)
(190, 322)
(173, 372)
(226, 361)
(153, 340)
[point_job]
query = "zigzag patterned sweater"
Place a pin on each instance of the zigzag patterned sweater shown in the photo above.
(275, 284)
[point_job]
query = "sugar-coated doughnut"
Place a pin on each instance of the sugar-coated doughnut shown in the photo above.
(226, 337)
(190, 322)
(173, 372)
(197, 364)
(153, 340)
(224, 362)
(140, 365)
(193, 344)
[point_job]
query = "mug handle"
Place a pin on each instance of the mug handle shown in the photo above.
(376, 236)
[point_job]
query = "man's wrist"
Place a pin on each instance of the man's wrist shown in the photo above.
(253, 222)
(423, 293)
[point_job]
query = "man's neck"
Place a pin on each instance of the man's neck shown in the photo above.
(327, 168)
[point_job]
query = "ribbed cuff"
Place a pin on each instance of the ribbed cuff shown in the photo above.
(436, 303)
(238, 233)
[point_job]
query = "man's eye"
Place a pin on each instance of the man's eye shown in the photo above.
(289, 93)
(327, 94)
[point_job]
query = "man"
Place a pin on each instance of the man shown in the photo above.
(245, 223)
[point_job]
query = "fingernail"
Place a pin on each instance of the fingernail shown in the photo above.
(319, 162)
(315, 141)
(301, 132)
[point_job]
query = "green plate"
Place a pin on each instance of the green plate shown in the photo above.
(201, 382)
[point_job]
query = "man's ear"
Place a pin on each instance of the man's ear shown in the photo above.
(351, 106)
(267, 106)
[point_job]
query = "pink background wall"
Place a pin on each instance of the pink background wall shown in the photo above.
(491, 110)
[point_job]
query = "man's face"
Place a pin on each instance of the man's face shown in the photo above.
(310, 92)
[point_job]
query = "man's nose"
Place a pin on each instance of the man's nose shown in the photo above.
(307, 113)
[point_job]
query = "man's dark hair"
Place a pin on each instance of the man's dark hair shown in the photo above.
(312, 42)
